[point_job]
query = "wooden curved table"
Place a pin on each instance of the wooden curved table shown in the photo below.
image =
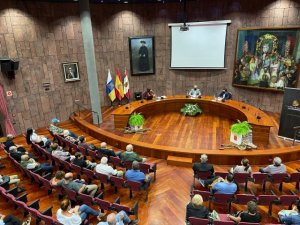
(260, 121)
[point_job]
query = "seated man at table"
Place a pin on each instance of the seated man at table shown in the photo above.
(149, 94)
(225, 94)
(195, 92)
(136, 175)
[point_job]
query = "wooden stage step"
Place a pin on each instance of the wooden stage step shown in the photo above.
(179, 161)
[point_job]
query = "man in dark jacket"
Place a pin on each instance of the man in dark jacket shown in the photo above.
(203, 166)
(105, 151)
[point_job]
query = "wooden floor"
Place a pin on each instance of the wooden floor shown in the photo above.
(200, 132)
(168, 196)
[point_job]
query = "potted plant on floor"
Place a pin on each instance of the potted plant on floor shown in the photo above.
(241, 132)
(191, 109)
(136, 121)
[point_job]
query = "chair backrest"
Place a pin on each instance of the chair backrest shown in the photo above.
(279, 177)
(241, 177)
(247, 223)
(116, 161)
(119, 207)
(221, 174)
(145, 168)
(89, 173)
(198, 221)
(71, 194)
(223, 198)
(33, 212)
(104, 178)
(224, 223)
(46, 183)
(205, 194)
(82, 150)
(134, 186)
(36, 177)
(202, 174)
(92, 153)
(77, 169)
(266, 199)
(243, 199)
(104, 205)
(86, 199)
(288, 199)
(118, 181)
(128, 165)
(47, 219)
(295, 177)
(259, 178)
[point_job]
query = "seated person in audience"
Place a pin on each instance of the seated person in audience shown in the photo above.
(136, 175)
(104, 168)
(9, 142)
(249, 216)
(47, 146)
(196, 209)
(12, 220)
(149, 94)
(290, 217)
(203, 166)
(71, 137)
(243, 168)
(80, 161)
(105, 151)
(32, 137)
(56, 130)
(78, 187)
(11, 179)
(67, 215)
(82, 142)
(59, 176)
(195, 92)
(226, 186)
(58, 152)
(120, 218)
(15, 154)
(225, 94)
(276, 167)
(31, 164)
(129, 155)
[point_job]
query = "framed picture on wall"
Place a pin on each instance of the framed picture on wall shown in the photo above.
(71, 72)
(267, 58)
(142, 56)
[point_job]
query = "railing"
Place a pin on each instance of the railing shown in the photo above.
(77, 102)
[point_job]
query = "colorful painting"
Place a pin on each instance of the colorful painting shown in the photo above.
(267, 58)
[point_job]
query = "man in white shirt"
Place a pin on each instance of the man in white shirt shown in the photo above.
(104, 168)
(195, 92)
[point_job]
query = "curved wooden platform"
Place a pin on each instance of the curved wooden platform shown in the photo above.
(221, 157)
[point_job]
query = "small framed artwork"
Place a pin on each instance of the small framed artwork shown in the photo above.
(267, 58)
(71, 72)
(142, 55)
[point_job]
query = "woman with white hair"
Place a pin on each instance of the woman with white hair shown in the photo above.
(276, 167)
(196, 209)
(104, 168)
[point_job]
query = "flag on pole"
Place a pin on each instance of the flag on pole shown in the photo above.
(119, 86)
(110, 88)
(126, 85)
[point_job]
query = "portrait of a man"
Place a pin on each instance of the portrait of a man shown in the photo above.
(142, 55)
(71, 71)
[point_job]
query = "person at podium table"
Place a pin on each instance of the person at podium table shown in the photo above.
(225, 94)
(149, 94)
(195, 92)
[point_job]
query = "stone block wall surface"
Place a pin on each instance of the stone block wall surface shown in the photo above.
(44, 35)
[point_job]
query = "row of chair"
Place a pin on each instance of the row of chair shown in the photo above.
(256, 178)
(243, 199)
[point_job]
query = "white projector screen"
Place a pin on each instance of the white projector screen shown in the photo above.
(202, 46)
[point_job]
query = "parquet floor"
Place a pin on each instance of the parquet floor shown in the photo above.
(168, 196)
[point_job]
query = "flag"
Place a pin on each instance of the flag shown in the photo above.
(126, 85)
(119, 86)
(110, 88)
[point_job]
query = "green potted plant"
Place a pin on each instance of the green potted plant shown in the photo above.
(191, 109)
(241, 132)
(136, 121)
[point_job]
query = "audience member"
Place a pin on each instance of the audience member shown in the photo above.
(76, 186)
(129, 155)
(15, 154)
(203, 166)
(290, 217)
(9, 143)
(136, 175)
(225, 95)
(195, 92)
(59, 176)
(56, 130)
(74, 216)
(12, 220)
(149, 94)
(84, 163)
(250, 216)
(226, 186)
(58, 152)
(47, 146)
(11, 179)
(31, 164)
(243, 168)
(104, 168)
(105, 151)
(32, 137)
(82, 142)
(276, 167)
(196, 209)
(120, 218)
(70, 134)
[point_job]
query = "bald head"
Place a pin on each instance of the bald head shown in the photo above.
(24, 158)
(103, 145)
(69, 176)
(129, 148)
(111, 219)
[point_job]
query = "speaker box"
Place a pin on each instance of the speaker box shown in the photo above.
(5, 66)
(15, 64)
(138, 95)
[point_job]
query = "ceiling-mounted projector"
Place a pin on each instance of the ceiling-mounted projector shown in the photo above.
(184, 27)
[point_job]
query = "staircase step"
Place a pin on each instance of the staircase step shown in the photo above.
(179, 161)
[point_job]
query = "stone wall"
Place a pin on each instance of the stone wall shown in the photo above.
(44, 35)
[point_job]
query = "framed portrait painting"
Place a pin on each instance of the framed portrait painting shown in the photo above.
(267, 58)
(71, 72)
(142, 56)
